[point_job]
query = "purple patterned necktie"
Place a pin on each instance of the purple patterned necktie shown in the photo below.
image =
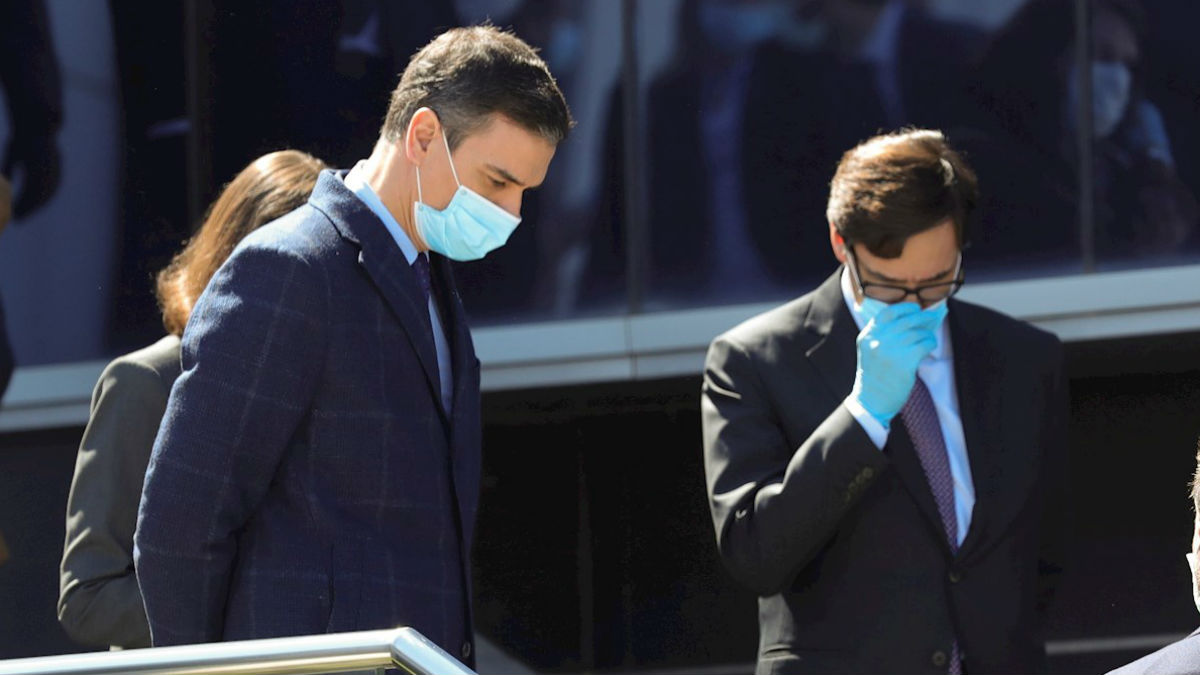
(921, 420)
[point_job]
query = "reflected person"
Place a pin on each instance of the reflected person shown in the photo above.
(99, 603)
(1026, 89)
(870, 473)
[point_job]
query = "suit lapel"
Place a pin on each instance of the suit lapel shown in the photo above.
(386, 266)
(833, 354)
(980, 408)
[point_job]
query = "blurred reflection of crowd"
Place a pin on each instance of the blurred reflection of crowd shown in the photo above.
(1026, 131)
(743, 107)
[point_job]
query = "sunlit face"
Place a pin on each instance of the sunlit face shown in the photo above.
(929, 257)
(499, 161)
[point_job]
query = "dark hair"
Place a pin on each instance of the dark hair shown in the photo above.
(466, 75)
(895, 185)
(266, 189)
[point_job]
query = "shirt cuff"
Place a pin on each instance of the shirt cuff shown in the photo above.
(875, 430)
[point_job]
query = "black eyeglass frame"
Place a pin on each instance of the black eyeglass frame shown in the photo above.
(955, 283)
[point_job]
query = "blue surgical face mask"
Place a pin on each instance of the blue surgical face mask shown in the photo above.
(469, 227)
(870, 308)
(1112, 85)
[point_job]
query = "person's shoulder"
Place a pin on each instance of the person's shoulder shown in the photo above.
(764, 331)
(1004, 329)
(1180, 657)
(151, 368)
(304, 232)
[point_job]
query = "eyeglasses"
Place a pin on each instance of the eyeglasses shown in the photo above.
(891, 293)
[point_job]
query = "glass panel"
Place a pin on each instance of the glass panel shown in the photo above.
(324, 86)
(567, 259)
(1145, 107)
(748, 112)
(1017, 132)
(99, 197)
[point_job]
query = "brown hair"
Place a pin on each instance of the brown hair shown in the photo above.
(266, 189)
(895, 185)
(467, 74)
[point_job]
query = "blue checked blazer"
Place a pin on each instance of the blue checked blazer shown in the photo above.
(305, 478)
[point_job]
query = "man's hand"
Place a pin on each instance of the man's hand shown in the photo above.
(890, 348)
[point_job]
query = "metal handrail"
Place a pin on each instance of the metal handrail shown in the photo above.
(306, 655)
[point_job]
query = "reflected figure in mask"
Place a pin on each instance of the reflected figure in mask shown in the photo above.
(1181, 657)
(1027, 90)
(853, 67)
(99, 603)
(713, 210)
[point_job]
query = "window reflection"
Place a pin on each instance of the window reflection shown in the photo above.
(542, 272)
(56, 256)
(744, 128)
(1024, 144)
(743, 109)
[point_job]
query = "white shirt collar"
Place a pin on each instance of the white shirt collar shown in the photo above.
(940, 352)
(357, 183)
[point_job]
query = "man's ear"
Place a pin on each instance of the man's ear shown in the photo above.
(423, 130)
(837, 243)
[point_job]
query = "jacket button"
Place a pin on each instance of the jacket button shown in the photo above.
(939, 659)
(466, 650)
(868, 473)
(955, 576)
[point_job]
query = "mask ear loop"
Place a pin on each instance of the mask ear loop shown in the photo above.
(449, 158)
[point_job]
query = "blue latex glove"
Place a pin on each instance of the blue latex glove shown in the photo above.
(890, 347)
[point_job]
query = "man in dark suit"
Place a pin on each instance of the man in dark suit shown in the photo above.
(1181, 657)
(318, 465)
(886, 464)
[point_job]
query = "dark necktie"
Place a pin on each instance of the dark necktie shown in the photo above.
(421, 267)
(921, 420)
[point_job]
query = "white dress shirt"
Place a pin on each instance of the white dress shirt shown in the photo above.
(937, 372)
(357, 184)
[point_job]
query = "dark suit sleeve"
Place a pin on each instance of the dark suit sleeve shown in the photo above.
(1056, 485)
(774, 506)
(99, 602)
(252, 353)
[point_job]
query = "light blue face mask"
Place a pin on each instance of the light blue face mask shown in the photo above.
(1112, 84)
(469, 227)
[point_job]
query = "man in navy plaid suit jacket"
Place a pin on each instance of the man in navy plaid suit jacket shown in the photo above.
(317, 468)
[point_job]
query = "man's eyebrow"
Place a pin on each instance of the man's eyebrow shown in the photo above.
(504, 174)
(899, 282)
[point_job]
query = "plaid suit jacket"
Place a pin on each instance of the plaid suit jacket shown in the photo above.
(306, 478)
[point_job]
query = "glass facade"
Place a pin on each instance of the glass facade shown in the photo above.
(697, 175)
